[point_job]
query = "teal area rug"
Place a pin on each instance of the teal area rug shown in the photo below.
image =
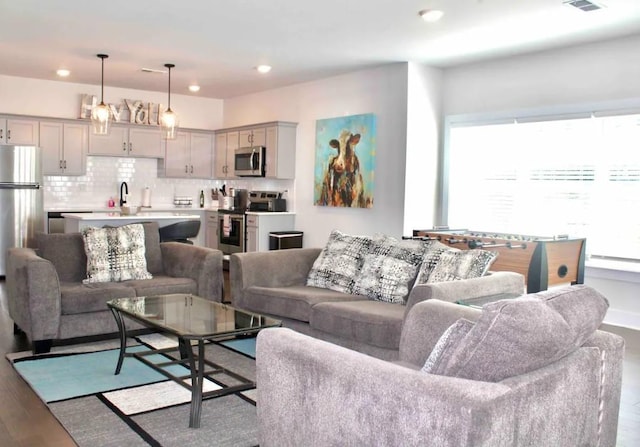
(246, 346)
(140, 407)
(66, 376)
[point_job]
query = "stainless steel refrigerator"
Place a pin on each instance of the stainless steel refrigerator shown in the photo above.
(21, 202)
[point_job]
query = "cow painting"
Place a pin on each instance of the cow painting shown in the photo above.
(342, 184)
(342, 179)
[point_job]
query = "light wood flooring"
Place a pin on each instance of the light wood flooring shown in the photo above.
(26, 422)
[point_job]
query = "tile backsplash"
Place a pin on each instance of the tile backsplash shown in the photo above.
(105, 174)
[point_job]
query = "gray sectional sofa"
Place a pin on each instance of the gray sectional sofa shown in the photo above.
(48, 300)
(533, 371)
(274, 283)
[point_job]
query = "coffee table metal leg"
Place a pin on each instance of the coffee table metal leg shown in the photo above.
(123, 338)
(197, 378)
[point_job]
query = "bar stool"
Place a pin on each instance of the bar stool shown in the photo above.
(180, 231)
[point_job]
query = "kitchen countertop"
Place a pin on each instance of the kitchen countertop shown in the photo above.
(155, 209)
(183, 214)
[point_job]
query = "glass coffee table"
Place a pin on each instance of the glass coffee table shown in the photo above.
(194, 321)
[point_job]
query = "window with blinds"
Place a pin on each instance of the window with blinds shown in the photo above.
(577, 176)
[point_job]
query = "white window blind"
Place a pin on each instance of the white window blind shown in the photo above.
(579, 177)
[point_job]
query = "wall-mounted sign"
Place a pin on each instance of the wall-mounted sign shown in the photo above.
(130, 111)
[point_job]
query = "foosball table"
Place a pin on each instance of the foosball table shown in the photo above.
(544, 261)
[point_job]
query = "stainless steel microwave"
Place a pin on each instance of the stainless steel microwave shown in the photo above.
(249, 161)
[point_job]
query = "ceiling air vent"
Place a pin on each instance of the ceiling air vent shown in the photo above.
(582, 5)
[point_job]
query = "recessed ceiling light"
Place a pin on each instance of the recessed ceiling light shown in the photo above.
(63, 72)
(431, 15)
(194, 88)
(263, 68)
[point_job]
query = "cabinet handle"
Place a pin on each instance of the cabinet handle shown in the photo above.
(65, 164)
(1, 130)
(9, 134)
(130, 147)
(192, 169)
(186, 169)
(124, 146)
(60, 164)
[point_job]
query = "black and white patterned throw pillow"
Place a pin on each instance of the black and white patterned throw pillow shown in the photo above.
(115, 254)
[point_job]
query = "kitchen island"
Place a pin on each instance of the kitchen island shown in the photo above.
(75, 222)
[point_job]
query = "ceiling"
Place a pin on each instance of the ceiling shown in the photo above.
(218, 43)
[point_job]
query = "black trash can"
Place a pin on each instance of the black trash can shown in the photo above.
(282, 240)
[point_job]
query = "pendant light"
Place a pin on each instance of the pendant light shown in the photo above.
(101, 114)
(168, 119)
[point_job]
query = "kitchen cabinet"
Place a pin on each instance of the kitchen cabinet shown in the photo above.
(128, 142)
(19, 131)
(64, 147)
(281, 151)
(225, 148)
(211, 229)
(189, 156)
(253, 137)
(259, 225)
(279, 138)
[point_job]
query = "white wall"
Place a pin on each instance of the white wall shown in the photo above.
(36, 97)
(382, 91)
(423, 142)
(555, 81)
(597, 72)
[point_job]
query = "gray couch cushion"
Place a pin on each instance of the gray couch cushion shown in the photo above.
(152, 252)
(513, 337)
(294, 302)
(373, 322)
(66, 252)
(162, 285)
(78, 298)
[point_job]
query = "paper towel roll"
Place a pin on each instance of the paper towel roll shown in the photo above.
(146, 197)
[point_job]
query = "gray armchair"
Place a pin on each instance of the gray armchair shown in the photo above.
(48, 301)
(314, 392)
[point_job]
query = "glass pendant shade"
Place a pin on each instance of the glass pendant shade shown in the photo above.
(168, 118)
(169, 124)
(101, 119)
(101, 115)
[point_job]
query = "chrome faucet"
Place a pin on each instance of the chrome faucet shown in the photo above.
(123, 198)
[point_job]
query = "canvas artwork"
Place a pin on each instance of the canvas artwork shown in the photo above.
(345, 160)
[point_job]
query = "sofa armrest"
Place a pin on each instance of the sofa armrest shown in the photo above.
(424, 325)
(309, 389)
(203, 265)
(33, 293)
(451, 291)
(278, 268)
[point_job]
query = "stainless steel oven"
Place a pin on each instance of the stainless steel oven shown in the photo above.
(231, 231)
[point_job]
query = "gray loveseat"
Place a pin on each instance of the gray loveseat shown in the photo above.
(273, 283)
(48, 300)
(538, 376)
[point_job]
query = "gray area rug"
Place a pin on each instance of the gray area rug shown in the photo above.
(158, 414)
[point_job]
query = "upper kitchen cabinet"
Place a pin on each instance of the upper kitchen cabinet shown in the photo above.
(225, 148)
(190, 155)
(281, 151)
(19, 131)
(128, 142)
(253, 137)
(278, 137)
(64, 148)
